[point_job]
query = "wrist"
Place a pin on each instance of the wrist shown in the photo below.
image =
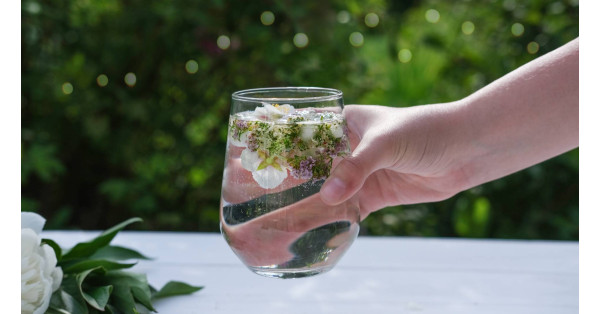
(436, 142)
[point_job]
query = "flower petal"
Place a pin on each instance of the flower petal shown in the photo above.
(57, 276)
(308, 131)
(268, 111)
(39, 276)
(32, 221)
(286, 109)
(29, 241)
(250, 159)
(269, 177)
(241, 142)
(337, 130)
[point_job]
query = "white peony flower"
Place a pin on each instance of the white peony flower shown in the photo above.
(267, 172)
(39, 274)
(276, 111)
(32, 221)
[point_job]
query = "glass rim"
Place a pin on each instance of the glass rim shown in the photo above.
(329, 94)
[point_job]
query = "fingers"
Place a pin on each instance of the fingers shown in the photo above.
(350, 174)
(266, 239)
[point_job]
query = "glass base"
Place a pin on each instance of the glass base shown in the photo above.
(289, 273)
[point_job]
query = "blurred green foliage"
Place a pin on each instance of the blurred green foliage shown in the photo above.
(125, 103)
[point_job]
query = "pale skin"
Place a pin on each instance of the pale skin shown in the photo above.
(429, 153)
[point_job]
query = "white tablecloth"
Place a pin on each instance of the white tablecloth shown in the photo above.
(377, 275)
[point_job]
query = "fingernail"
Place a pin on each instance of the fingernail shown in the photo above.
(332, 190)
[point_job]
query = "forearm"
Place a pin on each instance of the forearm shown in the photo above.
(523, 118)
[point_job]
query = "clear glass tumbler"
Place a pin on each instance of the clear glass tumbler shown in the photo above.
(282, 144)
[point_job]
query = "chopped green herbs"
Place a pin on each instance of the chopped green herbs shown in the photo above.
(305, 146)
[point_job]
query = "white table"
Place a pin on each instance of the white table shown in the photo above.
(377, 275)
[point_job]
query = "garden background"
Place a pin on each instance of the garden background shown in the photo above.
(125, 102)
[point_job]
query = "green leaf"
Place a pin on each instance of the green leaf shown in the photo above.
(55, 247)
(84, 265)
(111, 309)
(122, 300)
(67, 298)
(118, 253)
(128, 288)
(98, 297)
(80, 278)
(173, 288)
(118, 277)
(42, 160)
(53, 310)
(143, 296)
(86, 249)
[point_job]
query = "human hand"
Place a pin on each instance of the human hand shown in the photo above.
(429, 153)
(400, 156)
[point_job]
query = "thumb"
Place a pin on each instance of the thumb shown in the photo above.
(350, 174)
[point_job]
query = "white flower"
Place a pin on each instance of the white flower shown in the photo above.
(39, 274)
(267, 171)
(308, 131)
(241, 142)
(32, 221)
(269, 112)
(337, 130)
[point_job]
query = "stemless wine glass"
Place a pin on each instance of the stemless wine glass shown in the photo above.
(281, 145)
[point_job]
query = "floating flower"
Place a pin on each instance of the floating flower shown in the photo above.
(267, 171)
(239, 133)
(278, 138)
(305, 169)
(337, 130)
(273, 112)
(308, 131)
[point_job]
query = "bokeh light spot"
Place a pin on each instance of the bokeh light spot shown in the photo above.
(356, 39)
(102, 80)
(432, 16)
(343, 17)
(223, 42)
(300, 40)
(267, 18)
(517, 29)
(371, 19)
(32, 7)
(130, 79)
(404, 55)
(390, 219)
(67, 88)
(191, 66)
(533, 47)
(468, 27)
(556, 8)
(509, 5)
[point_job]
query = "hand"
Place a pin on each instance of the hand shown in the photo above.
(429, 153)
(399, 157)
